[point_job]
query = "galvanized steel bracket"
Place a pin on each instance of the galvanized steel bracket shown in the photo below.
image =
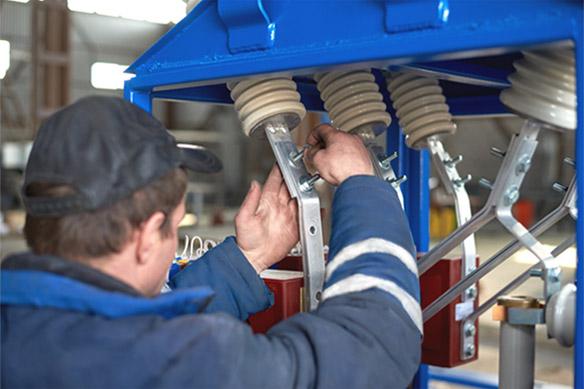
(248, 25)
(408, 15)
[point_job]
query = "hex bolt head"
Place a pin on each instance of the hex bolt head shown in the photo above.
(307, 183)
(524, 164)
(463, 180)
(570, 161)
(554, 273)
(497, 152)
(559, 187)
(385, 163)
(470, 329)
(469, 350)
(511, 196)
(485, 183)
(397, 181)
(454, 161)
(471, 292)
(536, 272)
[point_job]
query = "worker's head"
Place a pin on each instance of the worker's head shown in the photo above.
(105, 184)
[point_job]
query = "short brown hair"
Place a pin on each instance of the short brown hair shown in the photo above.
(104, 231)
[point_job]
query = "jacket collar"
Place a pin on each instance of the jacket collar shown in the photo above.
(51, 282)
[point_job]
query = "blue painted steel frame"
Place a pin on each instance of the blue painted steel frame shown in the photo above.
(194, 59)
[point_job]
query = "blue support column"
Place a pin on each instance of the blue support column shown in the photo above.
(142, 98)
(414, 164)
(579, 341)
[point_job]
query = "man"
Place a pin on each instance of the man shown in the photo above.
(103, 192)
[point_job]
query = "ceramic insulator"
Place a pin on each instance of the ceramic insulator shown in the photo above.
(259, 99)
(353, 100)
(543, 87)
(420, 106)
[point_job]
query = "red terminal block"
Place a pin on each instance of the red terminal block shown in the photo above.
(442, 333)
(287, 288)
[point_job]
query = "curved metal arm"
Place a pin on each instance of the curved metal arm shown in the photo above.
(296, 177)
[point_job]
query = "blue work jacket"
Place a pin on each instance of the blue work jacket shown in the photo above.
(66, 325)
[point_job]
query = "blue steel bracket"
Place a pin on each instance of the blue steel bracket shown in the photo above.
(415, 14)
(248, 25)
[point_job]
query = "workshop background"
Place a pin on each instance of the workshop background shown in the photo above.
(84, 51)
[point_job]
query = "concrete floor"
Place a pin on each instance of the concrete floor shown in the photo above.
(554, 364)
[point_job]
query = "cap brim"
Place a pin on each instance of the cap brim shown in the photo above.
(199, 159)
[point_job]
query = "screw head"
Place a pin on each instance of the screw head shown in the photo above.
(524, 164)
(485, 183)
(469, 350)
(470, 329)
(471, 292)
(511, 196)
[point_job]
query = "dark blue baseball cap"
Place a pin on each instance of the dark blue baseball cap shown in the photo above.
(105, 148)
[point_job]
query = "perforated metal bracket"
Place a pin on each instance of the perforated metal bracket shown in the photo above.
(455, 186)
(504, 194)
(566, 207)
(298, 182)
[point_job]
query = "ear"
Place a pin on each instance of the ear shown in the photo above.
(149, 237)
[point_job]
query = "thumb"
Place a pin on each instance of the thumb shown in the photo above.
(251, 201)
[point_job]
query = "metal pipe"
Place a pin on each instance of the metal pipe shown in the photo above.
(516, 356)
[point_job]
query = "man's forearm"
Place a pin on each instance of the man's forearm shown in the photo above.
(239, 291)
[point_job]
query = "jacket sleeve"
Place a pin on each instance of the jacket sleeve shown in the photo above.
(239, 291)
(367, 331)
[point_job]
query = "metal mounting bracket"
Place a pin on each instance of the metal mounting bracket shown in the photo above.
(248, 25)
(454, 185)
(411, 15)
(504, 194)
(566, 207)
(296, 176)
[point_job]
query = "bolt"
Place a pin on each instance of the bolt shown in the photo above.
(559, 187)
(469, 350)
(306, 183)
(553, 274)
(524, 164)
(463, 180)
(397, 181)
(485, 183)
(297, 156)
(536, 273)
(471, 292)
(454, 161)
(470, 330)
(386, 162)
(498, 152)
(511, 196)
(570, 161)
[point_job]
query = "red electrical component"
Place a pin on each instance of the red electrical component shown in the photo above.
(442, 334)
(287, 288)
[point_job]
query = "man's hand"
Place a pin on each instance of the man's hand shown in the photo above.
(266, 226)
(337, 155)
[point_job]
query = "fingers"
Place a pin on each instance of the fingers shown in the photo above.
(283, 194)
(251, 202)
(274, 181)
(321, 134)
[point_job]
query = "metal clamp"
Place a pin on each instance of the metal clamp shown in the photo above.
(454, 185)
(504, 194)
(300, 186)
